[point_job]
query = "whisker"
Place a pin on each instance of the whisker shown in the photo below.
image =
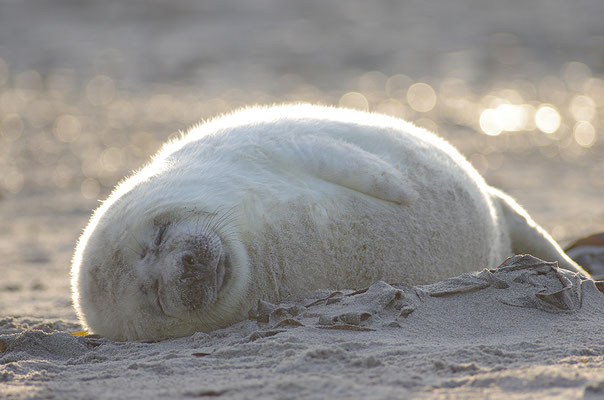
(134, 251)
(137, 242)
(225, 219)
(209, 221)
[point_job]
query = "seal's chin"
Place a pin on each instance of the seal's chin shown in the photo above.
(197, 289)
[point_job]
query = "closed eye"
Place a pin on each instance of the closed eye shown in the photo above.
(161, 230)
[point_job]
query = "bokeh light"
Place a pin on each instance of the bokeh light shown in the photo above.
(421, 97)
(397, 86)
(547, 119)
(85, 134)
(427, 123)
(491, 122)
(515, 117)
(11, 127)
(63, 174)
(582, 108)
(67, 128)
(90, 188)
(584, 133)
(354, 100)
(594, 87)
(111, 159)
(12, 179)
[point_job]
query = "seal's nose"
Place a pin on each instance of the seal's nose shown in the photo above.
(201, 271)
(201, 261)
(190, 266)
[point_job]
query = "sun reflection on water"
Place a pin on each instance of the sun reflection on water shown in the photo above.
(421, 97)
(60, 131)
(547, 118)
(354, 100)
(584, 133)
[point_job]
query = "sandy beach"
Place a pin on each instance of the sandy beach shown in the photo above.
(89, 91)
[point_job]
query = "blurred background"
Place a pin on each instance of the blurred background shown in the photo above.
(90, 89)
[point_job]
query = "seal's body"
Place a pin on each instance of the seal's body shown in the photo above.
(268, 203)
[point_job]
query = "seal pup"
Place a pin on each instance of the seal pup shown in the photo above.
(272, 202)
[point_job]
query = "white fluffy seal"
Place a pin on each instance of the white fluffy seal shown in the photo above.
(267, 203)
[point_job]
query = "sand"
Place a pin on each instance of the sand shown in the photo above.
(523, 330)
(89, 91)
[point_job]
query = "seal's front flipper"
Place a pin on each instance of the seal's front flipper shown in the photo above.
(347, 165)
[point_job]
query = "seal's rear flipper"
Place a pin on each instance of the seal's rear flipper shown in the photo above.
(528, 237)
(589, 252)
(347, 165)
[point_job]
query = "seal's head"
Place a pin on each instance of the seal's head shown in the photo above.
(166, 275)
(182, 268)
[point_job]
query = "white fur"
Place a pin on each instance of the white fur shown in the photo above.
(318, 198)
